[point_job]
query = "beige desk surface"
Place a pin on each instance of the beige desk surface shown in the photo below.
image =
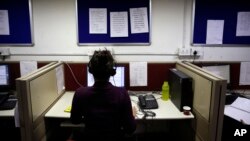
(166, 110)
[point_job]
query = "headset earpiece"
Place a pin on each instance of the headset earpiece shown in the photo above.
(111, 68)
(113, 72)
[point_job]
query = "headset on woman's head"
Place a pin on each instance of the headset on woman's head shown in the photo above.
(102, 63)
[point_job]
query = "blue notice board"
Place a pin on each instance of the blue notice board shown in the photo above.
(226, 10)
(83, 19)
(16, 18)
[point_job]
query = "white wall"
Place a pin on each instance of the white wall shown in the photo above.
(54, 23)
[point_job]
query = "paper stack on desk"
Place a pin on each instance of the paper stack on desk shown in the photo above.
(239, 110)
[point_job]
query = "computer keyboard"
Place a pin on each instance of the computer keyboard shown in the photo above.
(8, 104)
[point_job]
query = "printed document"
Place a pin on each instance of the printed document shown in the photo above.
(244, 73)
(4, 23)
(60, 79)
(243, 24)
(119, 24)
(239, 110)
(214, 31)
(27, 67)
(138, 73)
(97, 20)
(138, 20)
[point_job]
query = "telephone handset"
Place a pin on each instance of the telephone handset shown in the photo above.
(147, 102)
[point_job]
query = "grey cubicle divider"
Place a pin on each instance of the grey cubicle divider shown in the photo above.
(37, 92)
(208, 102)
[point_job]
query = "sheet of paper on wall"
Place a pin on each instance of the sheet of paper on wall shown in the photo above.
(27, 67)
(60, 79)
(244, 73)
(138, 20)
(243, 24)
(215, 29)
(98, 20)
(138, 72)
(118, 24)
(4, 23)
(239, 110)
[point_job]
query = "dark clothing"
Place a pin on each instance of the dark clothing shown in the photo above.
(105, 109)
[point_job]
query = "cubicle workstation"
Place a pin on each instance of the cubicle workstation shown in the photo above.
(208, 102)
(36, 93)
(9, 122)
(44, 101)
(10, 113)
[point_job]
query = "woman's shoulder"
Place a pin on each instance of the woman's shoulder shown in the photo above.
(121, 90)
(82, 90)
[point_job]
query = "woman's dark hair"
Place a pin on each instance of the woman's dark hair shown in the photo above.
(102, 64)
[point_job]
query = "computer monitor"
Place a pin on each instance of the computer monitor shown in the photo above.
(220, 70)
(4, 77)
(117, 80)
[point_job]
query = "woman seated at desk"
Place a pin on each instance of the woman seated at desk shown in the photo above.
(106, 109)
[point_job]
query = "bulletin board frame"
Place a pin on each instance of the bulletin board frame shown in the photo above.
(82, 16)
(20, 23)
(204, 10)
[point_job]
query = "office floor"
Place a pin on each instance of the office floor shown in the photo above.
(149, 131)
(8, 131)
(229, 128)
(139, 137)
(153, 137)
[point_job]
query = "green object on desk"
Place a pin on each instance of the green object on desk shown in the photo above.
(165, 91)
(68, 109)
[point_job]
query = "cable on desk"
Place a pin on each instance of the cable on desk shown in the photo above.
(146, 113)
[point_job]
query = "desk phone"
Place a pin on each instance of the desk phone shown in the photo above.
(147, 102)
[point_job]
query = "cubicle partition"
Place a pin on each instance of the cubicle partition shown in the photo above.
(37, 92)
(40, 90)
(208, 102)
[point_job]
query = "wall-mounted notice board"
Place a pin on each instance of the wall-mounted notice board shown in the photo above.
(113, 22)
(15, 22)
(221, 22)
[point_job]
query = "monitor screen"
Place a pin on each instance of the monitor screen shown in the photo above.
(4, 75)
(220, 70)
(117, 80)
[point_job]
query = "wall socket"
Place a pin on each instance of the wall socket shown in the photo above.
(4, 51)
(198, 51)
(190, 51)
(184, 52)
